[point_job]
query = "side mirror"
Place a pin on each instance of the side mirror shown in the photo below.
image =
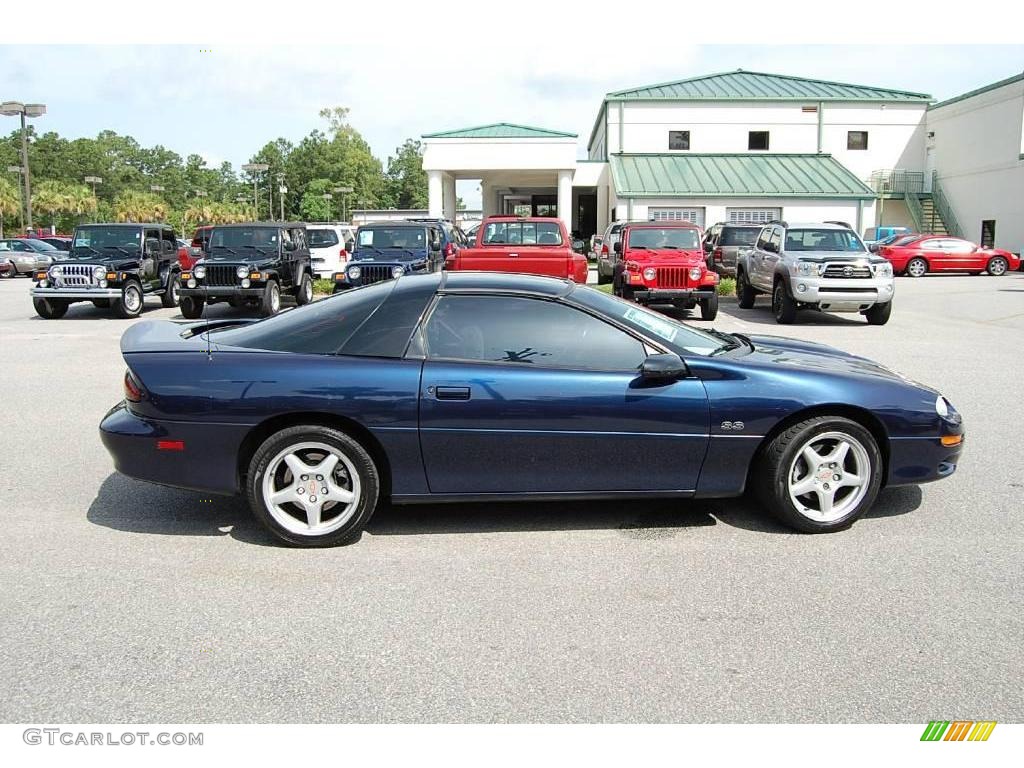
(617, 247)
(666, 366)
(577, 245)
(707, 246)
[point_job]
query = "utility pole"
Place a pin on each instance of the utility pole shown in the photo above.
(9, 109)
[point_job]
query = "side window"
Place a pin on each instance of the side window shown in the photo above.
(299, 237)
(776, 240)
(170, 245)
(435, 238)
(762, 239)
(527, 332)
(151, 234)
(931, 245)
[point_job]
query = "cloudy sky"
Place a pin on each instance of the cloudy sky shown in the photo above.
(227, 101)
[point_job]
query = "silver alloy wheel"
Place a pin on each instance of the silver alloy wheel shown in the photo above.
(829, 477)
(275, 298)
(307, 289)
(175, 285)
(997, 266)
(917, 267)
(311, 489)
(132, 298)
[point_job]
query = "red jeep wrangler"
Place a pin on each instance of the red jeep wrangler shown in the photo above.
(665, 264)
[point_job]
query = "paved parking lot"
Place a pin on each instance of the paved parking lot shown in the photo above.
(128, 602)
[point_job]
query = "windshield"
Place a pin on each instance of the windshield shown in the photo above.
(522, 233)
(739, 235)
(679, 337)
(678, 238)
(90, 240)
(823, 240)
(226, 243)
(392, 237)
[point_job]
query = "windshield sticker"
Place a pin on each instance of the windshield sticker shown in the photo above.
(662, 328)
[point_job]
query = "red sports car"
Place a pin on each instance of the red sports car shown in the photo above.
(916, 255)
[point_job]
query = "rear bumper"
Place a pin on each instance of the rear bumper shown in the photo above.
(83, 294)
(657, 295)
(207, 463)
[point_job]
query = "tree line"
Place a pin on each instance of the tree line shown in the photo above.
(154, 183)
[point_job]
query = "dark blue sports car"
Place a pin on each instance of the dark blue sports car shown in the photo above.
(470, 386)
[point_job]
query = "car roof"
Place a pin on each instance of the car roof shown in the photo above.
(158, 225)
(813, 225)
(283, 224)
(505, 281)
(664, 224)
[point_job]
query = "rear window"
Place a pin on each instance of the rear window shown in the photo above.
(320, 328)
(392, 237)
(904, 240)
(664, 237)
(739, 235)
(522, 233)
(321, 238)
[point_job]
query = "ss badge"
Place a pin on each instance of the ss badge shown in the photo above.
(733, 426)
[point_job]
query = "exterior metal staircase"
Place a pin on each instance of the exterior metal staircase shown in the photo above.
(930, 211)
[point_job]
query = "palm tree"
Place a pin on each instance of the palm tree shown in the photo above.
(53, 197)
(80, 200)
(136, 206)
(10, 202)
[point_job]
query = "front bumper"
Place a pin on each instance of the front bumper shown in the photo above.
(915, 460)
(221, 292)
(842, 295)
(83, 293)
(664, 295)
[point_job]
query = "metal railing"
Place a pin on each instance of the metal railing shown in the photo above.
(895, 181)
(941, 203)
(916, 213)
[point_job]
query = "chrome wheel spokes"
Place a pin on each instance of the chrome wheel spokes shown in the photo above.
(311, 488)
(829, 476)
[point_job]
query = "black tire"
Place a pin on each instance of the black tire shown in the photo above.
(10, 275)
(915, 271)
(776, 462)
(170, 298)
(744, 291)
(191, 307)
(304, 290)
(879, 313)
(130, 303)
(360, 459)
(603, 279)
(101, 303)
(783, 306)
(709, 307)
(50, 309)
(236, 302)
(997, 266)
(270, 304)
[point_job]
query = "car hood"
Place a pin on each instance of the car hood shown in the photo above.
(665, 255)
(808, 355)
(866, 256)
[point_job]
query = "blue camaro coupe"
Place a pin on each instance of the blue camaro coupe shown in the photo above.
(472, 386)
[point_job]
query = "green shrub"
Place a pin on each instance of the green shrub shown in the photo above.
(323, 285)
(727, 286)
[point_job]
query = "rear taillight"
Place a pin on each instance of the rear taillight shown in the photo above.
(604, 249)
(449, 250)
(718, 254)
(133, 391)
(343, 255)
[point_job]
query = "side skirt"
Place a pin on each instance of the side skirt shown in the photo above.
(445, 498)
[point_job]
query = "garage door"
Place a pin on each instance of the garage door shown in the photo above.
(692, 215)
(753, 215)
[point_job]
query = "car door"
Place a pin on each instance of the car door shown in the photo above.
(524, 395)
(933, 252)
(761, 274)
(961, 255)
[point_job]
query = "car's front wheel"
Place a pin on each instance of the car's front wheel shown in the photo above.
(129, 305)
(878, 314)
(997, 266)
(820, 474)
(783, 306)
(191, 307)
(709, 307)
(270, 304)
(50, 309)
(313, 486)
(744, 291)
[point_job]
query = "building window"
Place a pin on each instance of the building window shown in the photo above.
(753, 215)
(988, 233)
(691, 215)
(856, 139)
(678, 139)
(757, 140)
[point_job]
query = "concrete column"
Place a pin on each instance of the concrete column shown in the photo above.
(602, 208)
(448, 194)
(435, 205)
(565, 198)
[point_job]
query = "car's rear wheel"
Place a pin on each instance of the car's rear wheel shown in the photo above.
(270, 304)
(191, 307)
(50, 309)
(709, 307)
(783, 306)
(313, 486)
(744, 291)
(916, 267)
(878, 314)
(304, 293)
(820, 474)
(129, 305)
(997, 266)
(170, 296)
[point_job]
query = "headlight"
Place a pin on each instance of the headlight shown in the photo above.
(192, 282)
(650, 273)
(199, 271)
(56, 271)
(103, 283)
(242, 271)
(695, 273)
(98, 273)
(946, 411)
(882, 269)
(354, 273)
(805, 269)
(397, 271)
(245, 282)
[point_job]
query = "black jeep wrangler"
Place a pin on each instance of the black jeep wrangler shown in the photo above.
(250, 265)
(114, 266)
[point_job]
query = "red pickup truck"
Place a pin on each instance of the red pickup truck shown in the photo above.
(665, 264)
(532, 244)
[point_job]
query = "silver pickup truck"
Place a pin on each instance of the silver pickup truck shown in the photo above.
(814, 266)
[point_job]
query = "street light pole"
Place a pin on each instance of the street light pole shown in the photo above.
(327, 196)
(281, 189)
(343, 191)
(255, 168)
(94, 180)
(10, 109)
(21, 203)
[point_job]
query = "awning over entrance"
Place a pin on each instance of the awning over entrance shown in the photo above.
(735, 176)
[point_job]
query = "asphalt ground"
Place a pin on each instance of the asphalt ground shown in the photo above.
(127, 602)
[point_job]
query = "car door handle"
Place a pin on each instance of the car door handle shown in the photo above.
(452, 393)
(513, 255)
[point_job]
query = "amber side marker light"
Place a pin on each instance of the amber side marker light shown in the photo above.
(339, 275)
(111, 275)
(951, 440)
(40, 276)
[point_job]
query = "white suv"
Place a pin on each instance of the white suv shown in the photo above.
(330, 247)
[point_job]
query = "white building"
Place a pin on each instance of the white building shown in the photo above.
(749, 147)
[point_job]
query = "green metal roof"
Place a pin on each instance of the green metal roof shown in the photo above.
(500, 131)
(734, 175)
(762, 86)
(978, 91)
